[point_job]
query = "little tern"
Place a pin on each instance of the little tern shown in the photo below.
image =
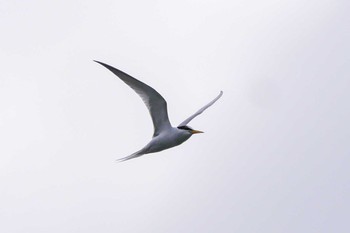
(165, 136)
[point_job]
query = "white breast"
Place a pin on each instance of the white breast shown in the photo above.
(168, 139)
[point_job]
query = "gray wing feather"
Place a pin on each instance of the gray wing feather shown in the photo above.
(185, 122)
(155, 103)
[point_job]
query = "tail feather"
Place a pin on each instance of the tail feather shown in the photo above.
(132, 156)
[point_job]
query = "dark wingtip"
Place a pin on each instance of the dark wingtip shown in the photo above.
(99, 62)
(111, 68)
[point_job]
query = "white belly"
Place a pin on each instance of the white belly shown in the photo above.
(167, 140)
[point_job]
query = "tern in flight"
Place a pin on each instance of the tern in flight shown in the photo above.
(165, 136)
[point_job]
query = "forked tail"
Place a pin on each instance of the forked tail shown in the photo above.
(132, 156)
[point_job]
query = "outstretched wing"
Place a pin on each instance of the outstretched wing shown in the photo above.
(185, 122)
(155, 103)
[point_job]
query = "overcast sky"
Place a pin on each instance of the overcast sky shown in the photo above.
(275, 153)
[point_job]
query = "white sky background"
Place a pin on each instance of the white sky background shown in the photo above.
(275, 155)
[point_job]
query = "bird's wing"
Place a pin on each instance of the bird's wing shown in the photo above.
(185, 122)
(155, 103)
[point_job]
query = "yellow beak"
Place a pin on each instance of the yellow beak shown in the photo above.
(196, 131)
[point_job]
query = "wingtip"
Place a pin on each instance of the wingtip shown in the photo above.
(97, 61)
(111, 68)
(122, 160)
(119, 160)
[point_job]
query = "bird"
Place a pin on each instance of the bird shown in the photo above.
(165, 135)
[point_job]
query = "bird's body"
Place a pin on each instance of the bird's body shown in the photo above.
(165, 136)
(172, 137)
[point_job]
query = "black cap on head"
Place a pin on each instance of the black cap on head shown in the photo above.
(184, 127)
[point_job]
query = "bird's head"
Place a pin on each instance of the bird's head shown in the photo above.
(189, 129)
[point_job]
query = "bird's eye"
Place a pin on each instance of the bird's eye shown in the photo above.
(184, 127)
